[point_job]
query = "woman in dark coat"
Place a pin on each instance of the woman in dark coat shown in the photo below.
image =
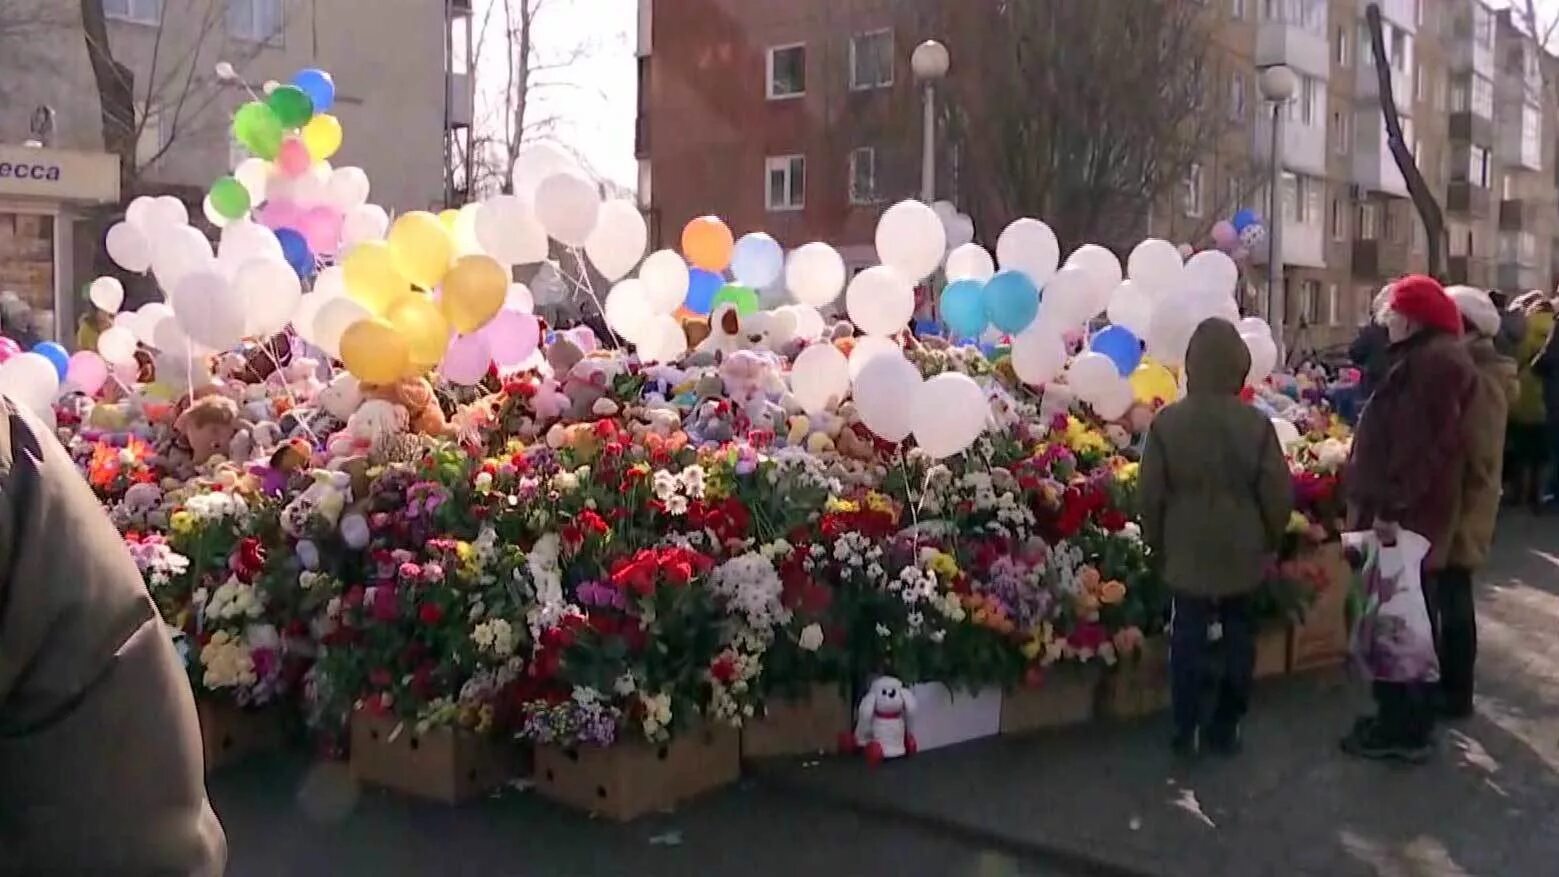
(1405, 474)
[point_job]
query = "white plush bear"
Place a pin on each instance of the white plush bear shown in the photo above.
(725, 331)
(373, 424)
(884, 722)
(341, 397)
(768, 330)
(322, 502)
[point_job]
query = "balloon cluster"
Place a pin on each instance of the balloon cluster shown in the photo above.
(1240, 235)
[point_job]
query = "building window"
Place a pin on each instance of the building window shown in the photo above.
(1301, 199)
(1531, 136)
(256, 21)
(1369, 217)
(1307, 107)
(1478, 166)
(1420, 85)
(1339, 221)
(1483, 26)
(137, 11)
(787, 71)
(787, 179)
(1483, 96)
(863, 175)
(1237, 96)
(1393, 228)
(1310, 302)
(1342, 132)
(871, 60)
(1237, 9)
(1191, 197)
(1331, 304)
(1342, 47)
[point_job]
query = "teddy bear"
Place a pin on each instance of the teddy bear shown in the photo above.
(208, 426)
(319, 505)
(725, 332)
(884, 722)
(712, 421)
(768, 330)
(580, 438)
(141, 507)
(424, 416)
(369, 430)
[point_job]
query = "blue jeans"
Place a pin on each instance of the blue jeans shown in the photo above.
(1199, 665)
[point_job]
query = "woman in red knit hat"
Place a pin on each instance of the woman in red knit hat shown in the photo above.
(1405, 474)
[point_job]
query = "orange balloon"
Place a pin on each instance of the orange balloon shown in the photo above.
(707, 243)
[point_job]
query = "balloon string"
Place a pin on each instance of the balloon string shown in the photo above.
(583, 282)
(286, 386)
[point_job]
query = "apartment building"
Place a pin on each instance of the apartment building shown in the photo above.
(401, 98)
(755, 111)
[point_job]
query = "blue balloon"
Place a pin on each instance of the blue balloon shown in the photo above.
(701, 289)
(1121, 346)
(1244, 218)
(295, 248)
(1011, 301)
(963, 308)
(55, 354)
(319, 86)
(757, 260)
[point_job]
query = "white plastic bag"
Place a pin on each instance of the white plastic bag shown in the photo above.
(1392, 639)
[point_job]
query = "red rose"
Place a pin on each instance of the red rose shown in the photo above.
(572, 534)
(430, 614)
(380, 677)
(723, 669)
(1112, 520)
(386, 607)
(593, 522)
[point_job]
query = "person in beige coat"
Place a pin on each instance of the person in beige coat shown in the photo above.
(1483, 427)
(100, 758)
(1215, 495)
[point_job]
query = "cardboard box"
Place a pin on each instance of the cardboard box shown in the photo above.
(445, 764)
(947, 717)
(1322, 639)
(1138, 686)
(630, 779)
(230, 733)
(807, 726)
(1272, 652)
(1066, 697)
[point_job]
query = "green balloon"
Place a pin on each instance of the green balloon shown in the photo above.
(746, 300)
(229, 197)
(258, 129)
(293, 108)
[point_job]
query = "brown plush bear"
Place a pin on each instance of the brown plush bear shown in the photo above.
(416, 396)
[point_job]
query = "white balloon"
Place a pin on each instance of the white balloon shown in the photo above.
(960, 230)
(330, 282)
(212, 216)
(117, 344)
(365, 222)
(868, 347)
(1263, 356)
(911, 240)
(168, 212)
(146, 319)
(303, 317)
(107, 294)
(520, 299)
(509, 231)
(1099, 264)
(568, 207)
(1068, 298)
(464, 232)
(809, 323)
(1210, 272)
(125, 319)
(665, 279)
(182, 371)
(269, 291)
(31, 380)
(884, 386)
(618, 241)
(1090, 374)
(312, 188)
(661, 339)
(1038, 356)
(949, 412)
(820, 378)
(1287, 432)
(536, 163)
(347, 187)
(243, 240)
(1029, 245)
(1113, 400)
(880, 301)
(142, 213)
(1155, 266)
(1131, 306)
(178, 252)
(814, 274)
(129, 247)
(628, 311)
(209, 310)
(331, 321)
(253, 174)
(970, 262)
(1254, 326)
(1169, 331)
(169, 338)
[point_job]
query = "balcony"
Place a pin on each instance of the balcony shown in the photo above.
(1519, 214)
(1374, 168)
(1304, 146)
(1402, 14)
(1468, 270)
(1467, 198)
(1304, 246)
(1376, 259)
(646, 43)
(1367, 88)
(461, 101)
(1469, 127)
(1470, 56)
(1514, 150)
(1302, 49)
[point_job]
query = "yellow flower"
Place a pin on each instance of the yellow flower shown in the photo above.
(181, 522)
(878, 502)
(841, 506)
(943, 565)
(463, 551)
(1126, 472)
(1298, 523)
(1031, 649)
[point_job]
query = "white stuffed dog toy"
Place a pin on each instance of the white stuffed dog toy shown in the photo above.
(884, 722)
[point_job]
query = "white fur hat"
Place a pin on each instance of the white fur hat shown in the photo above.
(1476, 308)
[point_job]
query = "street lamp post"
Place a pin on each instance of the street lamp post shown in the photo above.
(1277, 85)
(930, 62)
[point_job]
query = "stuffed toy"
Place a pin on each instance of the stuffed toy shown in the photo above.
(424, 416)
(340, 397)
(884, 722)
(725, 331)
(319, 505)
(580, 438)
(208, 427)
(369, 430)
(712, 421)
(768, 330)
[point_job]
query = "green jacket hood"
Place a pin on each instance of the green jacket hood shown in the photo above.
(1217, 360)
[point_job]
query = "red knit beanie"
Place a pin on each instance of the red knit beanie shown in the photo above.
(1423, 300)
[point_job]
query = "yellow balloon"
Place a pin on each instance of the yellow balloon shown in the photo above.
(474, 292)
(422, 248)
(375, 352)
(448, 217)
(322, 136)
(371, 276)
(419, 320)
(1152, 381)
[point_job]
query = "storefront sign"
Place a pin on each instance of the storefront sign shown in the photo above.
(58, 174)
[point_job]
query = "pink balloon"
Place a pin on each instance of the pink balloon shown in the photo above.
(512, 337)
(1225, 236)
(466, 360)
(583, 338)
(87, 372)
(8, 348)
(279, 214)
(127, 372)
(294, 158)
(321, 227)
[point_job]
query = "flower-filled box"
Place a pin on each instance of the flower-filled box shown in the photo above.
(1064, 695)
(1320, 640)
(1139, 684)
(944, 716)
(632, 778)
(230, 733)
(1271, 652)
(446, 763)
(805, 725)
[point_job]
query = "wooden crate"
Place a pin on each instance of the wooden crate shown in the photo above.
(1322, 639)
(444, 764)
(1066, 696)
(230, 733)
(1272, 652)
(1139, 685)
(805, 726)
(631, 779)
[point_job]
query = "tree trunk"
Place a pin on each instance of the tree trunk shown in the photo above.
(116, 91)
(1423, 199)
